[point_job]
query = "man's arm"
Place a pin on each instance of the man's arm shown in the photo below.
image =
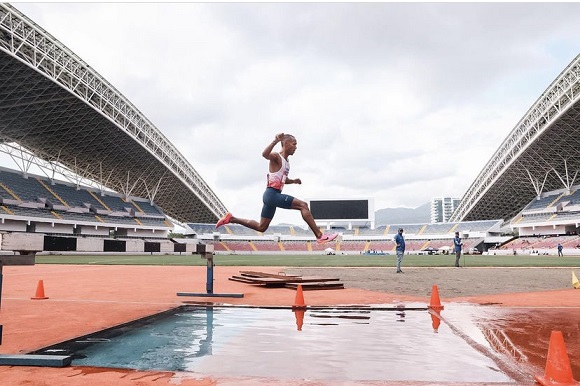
(267, 153)
(293, 181)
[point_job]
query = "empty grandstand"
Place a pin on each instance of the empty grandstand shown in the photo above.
(37, 204)
(554, 213)
(237, 239)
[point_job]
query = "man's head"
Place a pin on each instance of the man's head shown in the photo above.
(400, 230)
(289, 144)
(456, 233)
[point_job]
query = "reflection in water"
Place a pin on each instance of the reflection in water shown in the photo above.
(205, 343)
(524, 334)
(299, 318)
(258, 342)
(435, 320)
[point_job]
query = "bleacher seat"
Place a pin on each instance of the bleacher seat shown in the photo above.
(542, 203)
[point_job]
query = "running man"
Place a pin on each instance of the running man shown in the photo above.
(273, 197)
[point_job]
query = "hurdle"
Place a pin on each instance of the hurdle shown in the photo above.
(24, 359)
(206, 252)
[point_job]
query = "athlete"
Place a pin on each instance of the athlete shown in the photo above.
(273, 197)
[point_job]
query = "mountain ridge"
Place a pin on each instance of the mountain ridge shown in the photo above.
(402, 215)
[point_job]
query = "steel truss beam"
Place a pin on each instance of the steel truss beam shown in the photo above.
(548, 132)
(40, 110)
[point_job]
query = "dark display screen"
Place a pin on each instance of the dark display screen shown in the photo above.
(340, 209)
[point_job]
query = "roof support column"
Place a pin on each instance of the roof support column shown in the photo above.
(567, 183)
(536, 184)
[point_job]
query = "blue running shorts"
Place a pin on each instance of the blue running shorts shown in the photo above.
(273, 198)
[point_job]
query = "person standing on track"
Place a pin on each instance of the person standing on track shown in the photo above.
(400, 249)
(273, 198)
(457, 244)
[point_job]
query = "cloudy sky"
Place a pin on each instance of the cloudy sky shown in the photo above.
(398, 102)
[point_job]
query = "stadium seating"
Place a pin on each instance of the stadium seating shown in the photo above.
(569, 199)
(26, 189)
(238, 246)
(278, 229)
(296, 246)
(475, 226)
(266, 245)
(382, 245)
(238, 230)
(39, 199)
(409, 229)
(542, 203)
(72, 196)
(201, 229)
(438, 228)
(353, 245)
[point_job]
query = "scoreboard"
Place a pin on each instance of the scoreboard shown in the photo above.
(341, 210)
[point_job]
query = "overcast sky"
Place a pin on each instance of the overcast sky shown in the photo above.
(398, 102)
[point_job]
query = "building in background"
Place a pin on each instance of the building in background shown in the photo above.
(442, 208)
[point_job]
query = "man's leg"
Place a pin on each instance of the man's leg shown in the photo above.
(399, 261)
(265, 219)
(306, 216)
(457, 256)
(261, 226)
(321, 238)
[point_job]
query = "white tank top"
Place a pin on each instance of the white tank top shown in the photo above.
(277, 179)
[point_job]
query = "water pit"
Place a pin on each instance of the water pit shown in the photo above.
(329, 344)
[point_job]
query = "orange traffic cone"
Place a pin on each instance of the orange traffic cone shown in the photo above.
(435, 303)
(299, 301)
(558, 370)
(299, 319)
(39, 291)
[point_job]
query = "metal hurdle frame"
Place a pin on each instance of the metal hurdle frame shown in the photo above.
(206, 252)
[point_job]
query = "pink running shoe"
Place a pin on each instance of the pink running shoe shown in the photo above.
(326, 238)
(224, 220)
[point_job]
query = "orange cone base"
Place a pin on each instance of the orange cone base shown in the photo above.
(299, 300)
(542, 380)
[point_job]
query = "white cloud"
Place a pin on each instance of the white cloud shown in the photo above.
(400, 102)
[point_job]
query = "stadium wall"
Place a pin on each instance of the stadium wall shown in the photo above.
(146, 233)
(26, 242)
(41, 227)
(166, 246)
(547, 230)
(12, 226)
(134, 245)
(92, 230)
(89, 244)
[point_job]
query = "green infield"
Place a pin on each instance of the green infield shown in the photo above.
(316, 260)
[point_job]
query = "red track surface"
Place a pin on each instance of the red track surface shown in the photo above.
(85, 299)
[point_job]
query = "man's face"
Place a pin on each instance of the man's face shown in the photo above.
(290, 145)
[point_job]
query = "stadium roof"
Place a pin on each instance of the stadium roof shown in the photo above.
(59, 109)
(541, 154)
